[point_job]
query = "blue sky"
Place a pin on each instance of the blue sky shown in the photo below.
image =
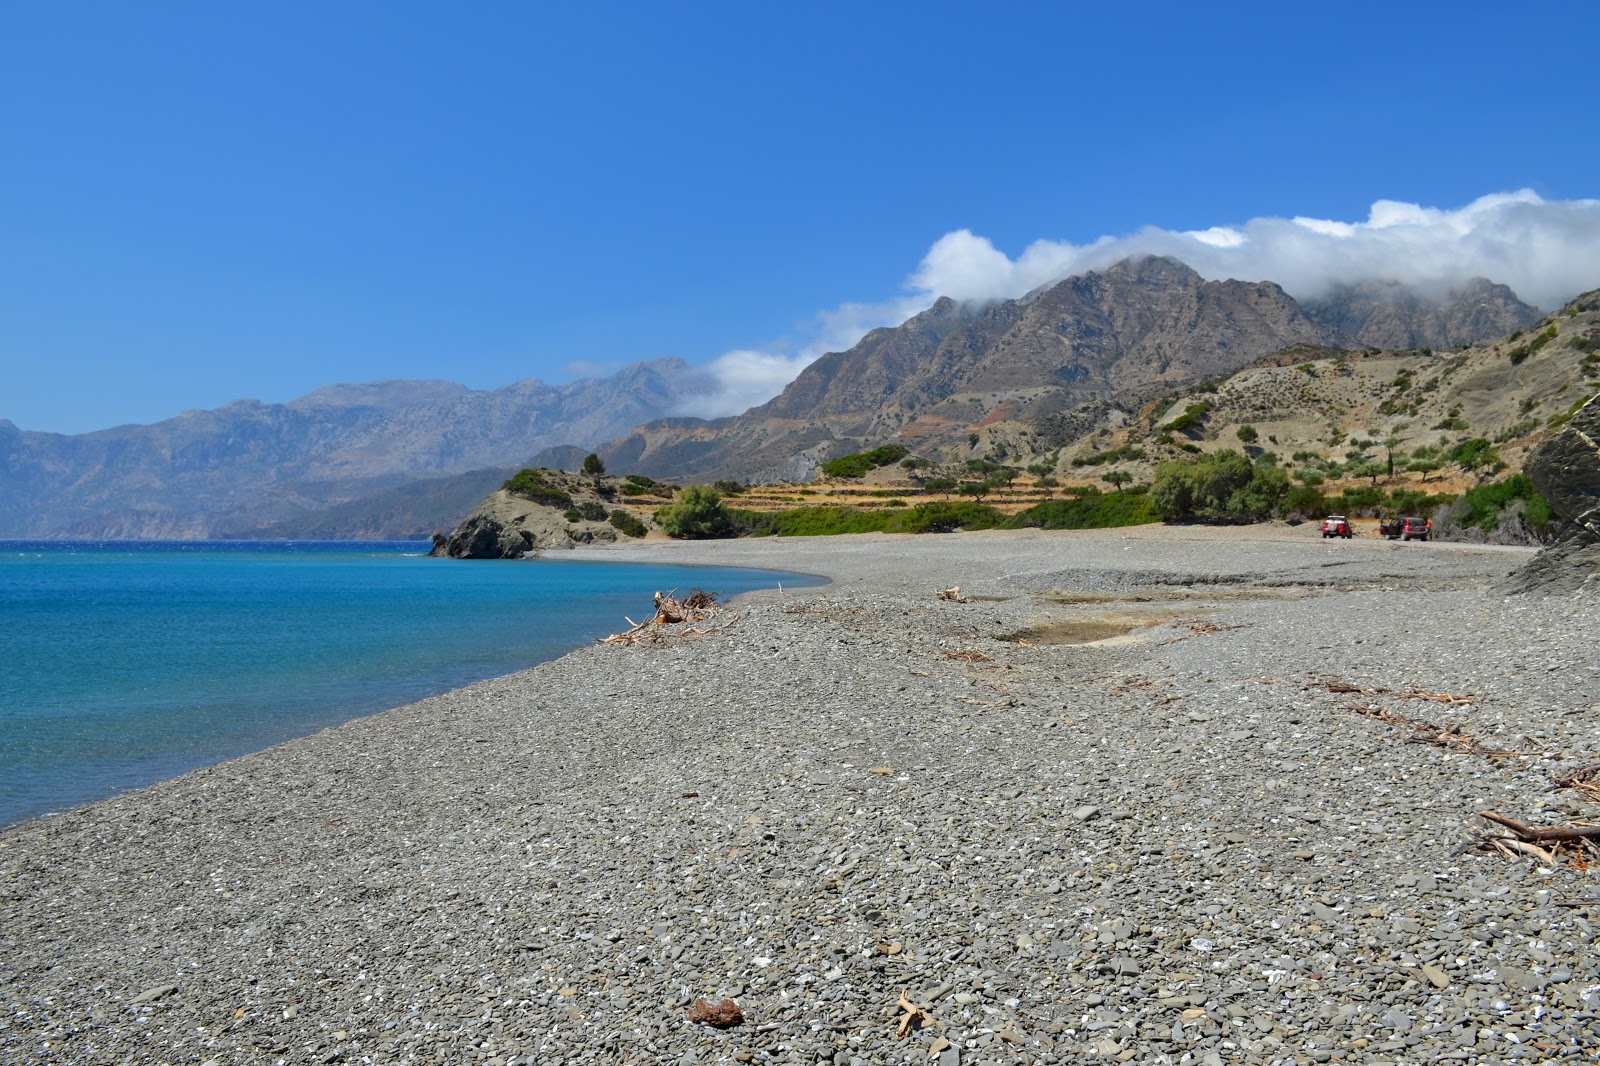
(206, 202)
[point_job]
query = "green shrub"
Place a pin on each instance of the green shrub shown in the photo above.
(640, 480)
(1097, 510)
(630, 488)
(832, 521)
(699, 514)
(628, 523)
(857, 464)
(944, 517)
(729, 487)
(1481, 507)
(854, 465)
(1469, 455)
(1352, 500)
(592, 511)
(1126, 453)
(530, 485)
(1193, 418)
(1305, 502)
(812, 522)
(1221, 487)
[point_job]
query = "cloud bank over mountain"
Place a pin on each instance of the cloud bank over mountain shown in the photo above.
(1547, 250)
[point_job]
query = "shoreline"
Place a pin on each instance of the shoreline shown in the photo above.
(1175, 840)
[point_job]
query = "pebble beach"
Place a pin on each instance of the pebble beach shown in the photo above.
(1151, 795)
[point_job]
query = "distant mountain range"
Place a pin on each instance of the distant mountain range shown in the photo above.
(406, 458)
(391, 458)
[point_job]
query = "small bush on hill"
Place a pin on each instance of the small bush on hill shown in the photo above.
(628, 523)
(857, 464)
(1193, 418)
(530, 485)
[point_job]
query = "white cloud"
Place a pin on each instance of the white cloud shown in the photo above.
(1547, 251)
(739, 380)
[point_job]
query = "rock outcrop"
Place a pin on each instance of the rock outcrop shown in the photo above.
(508, 527)
(1566, 471)
(541, 510)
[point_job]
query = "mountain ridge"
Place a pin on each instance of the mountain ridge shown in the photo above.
(955, 370)
(376, 458)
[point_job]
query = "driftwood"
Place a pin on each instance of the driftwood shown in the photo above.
(1410, 694)
(1585, 781)
(1576, 843)
(695, 608)
(953, 593)
(1449, 737)
(915, 1017)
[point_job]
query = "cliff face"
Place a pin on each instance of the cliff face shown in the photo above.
(1566, 471)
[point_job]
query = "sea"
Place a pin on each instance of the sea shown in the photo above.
(125, 663)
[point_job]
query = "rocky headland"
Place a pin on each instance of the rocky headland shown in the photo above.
(1151, 795)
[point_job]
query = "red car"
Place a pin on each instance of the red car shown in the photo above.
(1337, 525)
(1415, 529)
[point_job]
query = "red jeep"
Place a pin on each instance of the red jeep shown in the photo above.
(1414, 529)
(1337, 525)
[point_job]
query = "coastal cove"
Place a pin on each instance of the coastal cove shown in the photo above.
(125, 663)
(1221, 836)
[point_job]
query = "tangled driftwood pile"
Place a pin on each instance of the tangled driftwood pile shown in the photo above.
(673, 618)
(1576, 843)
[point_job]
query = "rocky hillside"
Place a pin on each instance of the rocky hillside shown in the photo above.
(961, 381)
(298, 468)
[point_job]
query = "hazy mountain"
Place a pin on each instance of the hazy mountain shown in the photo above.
(1387, 314)
(251, 466)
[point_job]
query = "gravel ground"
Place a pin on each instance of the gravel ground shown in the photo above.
(1206, 837)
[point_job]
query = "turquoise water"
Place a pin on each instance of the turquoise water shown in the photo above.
(125, 663)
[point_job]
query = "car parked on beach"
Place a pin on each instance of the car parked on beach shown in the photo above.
(1415, 529)
(1337, 525)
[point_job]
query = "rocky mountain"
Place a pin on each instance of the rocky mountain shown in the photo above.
(966, 381)
(251, 467)
(955, 369)
(1387, 314)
